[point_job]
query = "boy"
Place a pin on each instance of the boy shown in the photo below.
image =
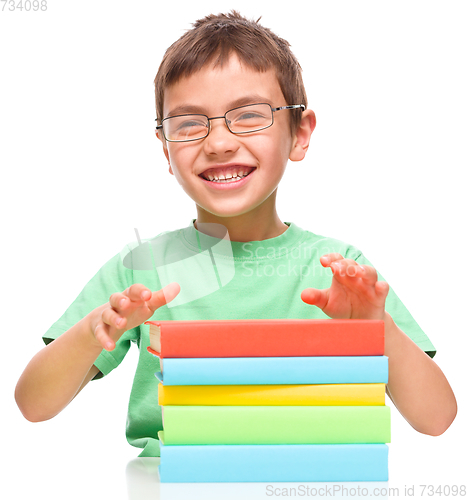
(231, 110)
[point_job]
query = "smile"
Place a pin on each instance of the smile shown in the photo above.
(229, 180)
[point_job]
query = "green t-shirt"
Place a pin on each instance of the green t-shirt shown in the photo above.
(219, 280)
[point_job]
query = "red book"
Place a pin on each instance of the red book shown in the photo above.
(266, 337)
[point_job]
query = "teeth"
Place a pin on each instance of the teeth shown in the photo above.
(230, 177)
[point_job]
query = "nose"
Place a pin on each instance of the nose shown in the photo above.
(220, 140)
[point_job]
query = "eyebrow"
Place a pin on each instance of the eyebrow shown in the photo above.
(242, 101)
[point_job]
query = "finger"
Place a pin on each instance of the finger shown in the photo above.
(163, 296)
(382, 288)
(328, 258)
(135, 293)
(362, 279)
(315, 297)
(113, 318)
(101, 333)
(119, 301)
(138, 292)
(368, 274)
(345, 268)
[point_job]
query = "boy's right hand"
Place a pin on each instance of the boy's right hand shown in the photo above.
(127, 310)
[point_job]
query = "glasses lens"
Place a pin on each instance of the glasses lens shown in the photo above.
(185, 128)
(249, 118)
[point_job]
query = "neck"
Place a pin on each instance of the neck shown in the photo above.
(252, 226)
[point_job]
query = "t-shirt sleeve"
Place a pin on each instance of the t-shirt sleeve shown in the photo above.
(111, 278)
(397, 310)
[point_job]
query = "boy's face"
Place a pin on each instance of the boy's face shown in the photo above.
(213, 91)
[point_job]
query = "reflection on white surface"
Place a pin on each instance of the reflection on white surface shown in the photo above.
(143, 479)
(143, 483)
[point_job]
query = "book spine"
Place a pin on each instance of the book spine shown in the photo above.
(239, 338)
(276, 424)
(272, 395)
(276, 370)
(268, 463)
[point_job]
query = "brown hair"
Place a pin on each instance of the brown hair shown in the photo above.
(218, 36)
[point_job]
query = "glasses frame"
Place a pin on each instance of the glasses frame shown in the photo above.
(273, 110)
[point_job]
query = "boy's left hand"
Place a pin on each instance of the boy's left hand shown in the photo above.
(354, 293)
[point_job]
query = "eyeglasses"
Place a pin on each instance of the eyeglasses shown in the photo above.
(241, 120)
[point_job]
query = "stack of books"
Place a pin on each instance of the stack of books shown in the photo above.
(272, 400)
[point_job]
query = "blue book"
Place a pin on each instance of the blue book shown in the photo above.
(272, 463)
(274, 370)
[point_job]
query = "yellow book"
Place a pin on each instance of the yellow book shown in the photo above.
(273, 395)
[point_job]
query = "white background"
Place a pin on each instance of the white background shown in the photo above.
(81, 167)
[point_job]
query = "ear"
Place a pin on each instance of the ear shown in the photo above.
(301, 139)
(164, 145)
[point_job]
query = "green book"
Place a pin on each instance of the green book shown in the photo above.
(276, 424)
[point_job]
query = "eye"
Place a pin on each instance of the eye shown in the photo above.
(185, 127)
(250, 115)
(247, 119)
(186, 124)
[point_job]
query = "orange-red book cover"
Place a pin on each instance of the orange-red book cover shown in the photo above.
(266, 337)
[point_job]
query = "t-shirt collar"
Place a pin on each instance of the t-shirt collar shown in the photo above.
(249, 250)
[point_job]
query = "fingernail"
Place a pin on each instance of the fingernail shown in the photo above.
(118, 321)
(145, 295)
(352, 271)
(109, 346)
(122, 303)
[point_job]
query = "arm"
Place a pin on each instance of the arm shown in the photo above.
(58, 372)
(416, 385)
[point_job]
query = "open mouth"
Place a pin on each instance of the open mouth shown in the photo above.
(226, 176)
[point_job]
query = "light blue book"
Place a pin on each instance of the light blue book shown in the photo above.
(272, 463)
(275, 370)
